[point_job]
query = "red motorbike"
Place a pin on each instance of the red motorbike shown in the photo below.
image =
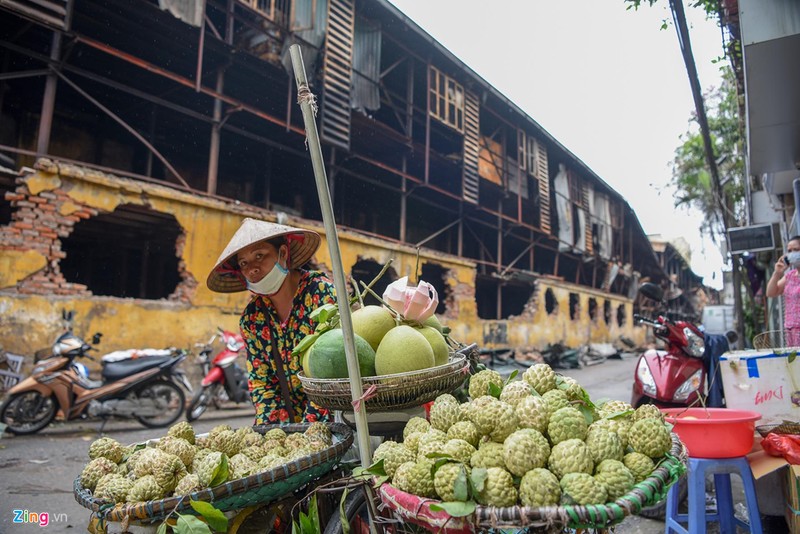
(673, 377)
(223, 378)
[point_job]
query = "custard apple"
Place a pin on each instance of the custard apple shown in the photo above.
(107, 448)
(277, 434)
(570, 456)
(615, 477)
(603, 444)
(498, 489)
(619, 426)
(515, 391)
(582, 488)
(296, 440)
(614, 407)
(145, 489)
(211, 466)
(650, 437)
(459, 450)
(532, 412)
(640, 465)
(431, 441)
(393, 455)
(647, 411)
(188, 484)
(95, 470)
(240, 466)
(479, 383)
(179, 447)
(113, 488)
(320, 431)
(539, 487)
(465, 430)
(412, 441)
(415, 424)
(444, 413)
(225, 441)
(182, 430)
(489, 454)
(446, 477)
(571, 387)
(168, 472)
(555, 399)
(540, 377)
(271, 461)
(416, 478)
(566, 423)
(524, 450)
(495, 419)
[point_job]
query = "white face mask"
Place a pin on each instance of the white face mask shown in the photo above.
(793, 258)
(272, 282)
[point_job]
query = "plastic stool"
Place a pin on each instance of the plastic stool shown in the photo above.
(697, 517)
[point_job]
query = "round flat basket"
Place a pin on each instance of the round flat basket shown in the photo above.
(779, 428)
(398, 391)
(417, 510)
(253, 490)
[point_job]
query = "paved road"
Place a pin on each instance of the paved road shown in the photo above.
(37, 471)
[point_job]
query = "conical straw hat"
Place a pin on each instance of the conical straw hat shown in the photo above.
(225, 278)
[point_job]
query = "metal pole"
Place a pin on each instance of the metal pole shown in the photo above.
(306, 100)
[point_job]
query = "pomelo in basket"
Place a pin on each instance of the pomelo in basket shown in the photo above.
(403, 349)
(434, 322)
(326, 357)
(372, 322)
(440, 351)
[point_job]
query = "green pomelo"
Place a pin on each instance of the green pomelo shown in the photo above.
(433, 322)
(326, 357)
(403, 349)
(304, 361)
(372, 323)
(441, 354)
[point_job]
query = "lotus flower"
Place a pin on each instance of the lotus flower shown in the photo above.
(413, 302)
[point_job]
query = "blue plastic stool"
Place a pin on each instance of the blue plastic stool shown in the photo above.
(697, 517)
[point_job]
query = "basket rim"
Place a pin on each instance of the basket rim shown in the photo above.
(573, 516)
(456, 364)
(242, 486)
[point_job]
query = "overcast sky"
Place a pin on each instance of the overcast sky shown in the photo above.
(607, 83)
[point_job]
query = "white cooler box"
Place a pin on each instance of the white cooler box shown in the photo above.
(764, 381)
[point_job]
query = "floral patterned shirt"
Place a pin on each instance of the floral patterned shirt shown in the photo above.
(261, 327)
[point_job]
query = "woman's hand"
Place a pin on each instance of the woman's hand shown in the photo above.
(780, 266)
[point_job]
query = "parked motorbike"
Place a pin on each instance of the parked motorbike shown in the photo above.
(223, 379)
(145, 389)
(673, 377)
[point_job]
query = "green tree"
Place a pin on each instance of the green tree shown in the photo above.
(690, 176)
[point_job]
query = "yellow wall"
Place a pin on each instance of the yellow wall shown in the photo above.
(31, 322)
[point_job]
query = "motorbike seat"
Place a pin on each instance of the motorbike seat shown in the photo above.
(119, 370)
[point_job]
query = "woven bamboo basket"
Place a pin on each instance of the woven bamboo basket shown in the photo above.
(236, 494)
(391, 392)
(417, 510)
(771, 339)
(787, 427)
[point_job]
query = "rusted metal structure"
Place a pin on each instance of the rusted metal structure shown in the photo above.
(420, 150)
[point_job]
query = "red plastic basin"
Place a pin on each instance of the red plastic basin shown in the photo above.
(714, 432)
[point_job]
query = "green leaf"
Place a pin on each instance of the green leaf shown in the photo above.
(189, 524)
(313, 513)
(305, 343)
(478, 478)
(324, 312)
(215, 518)
(494, 390)
(512, 376)
(619, 415)
(460, 487)
(342, 513)
(162, 528)
(792, 356)
(220, 474)
(587, 412)
(455, 509)
(306, 524)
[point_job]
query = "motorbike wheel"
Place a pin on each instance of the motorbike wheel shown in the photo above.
(169, 399)
(659, 509)
(356, 514)
(28, 412)
(199, 402)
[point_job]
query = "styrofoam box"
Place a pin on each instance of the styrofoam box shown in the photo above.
(765, 381)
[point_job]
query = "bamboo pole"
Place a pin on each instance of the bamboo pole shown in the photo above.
(307, 105)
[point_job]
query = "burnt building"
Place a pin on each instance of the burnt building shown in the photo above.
(134, 136)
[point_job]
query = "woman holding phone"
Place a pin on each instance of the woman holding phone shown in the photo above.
(785, 280)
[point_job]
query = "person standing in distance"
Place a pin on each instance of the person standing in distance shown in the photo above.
(265, 258)
(785, 280)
